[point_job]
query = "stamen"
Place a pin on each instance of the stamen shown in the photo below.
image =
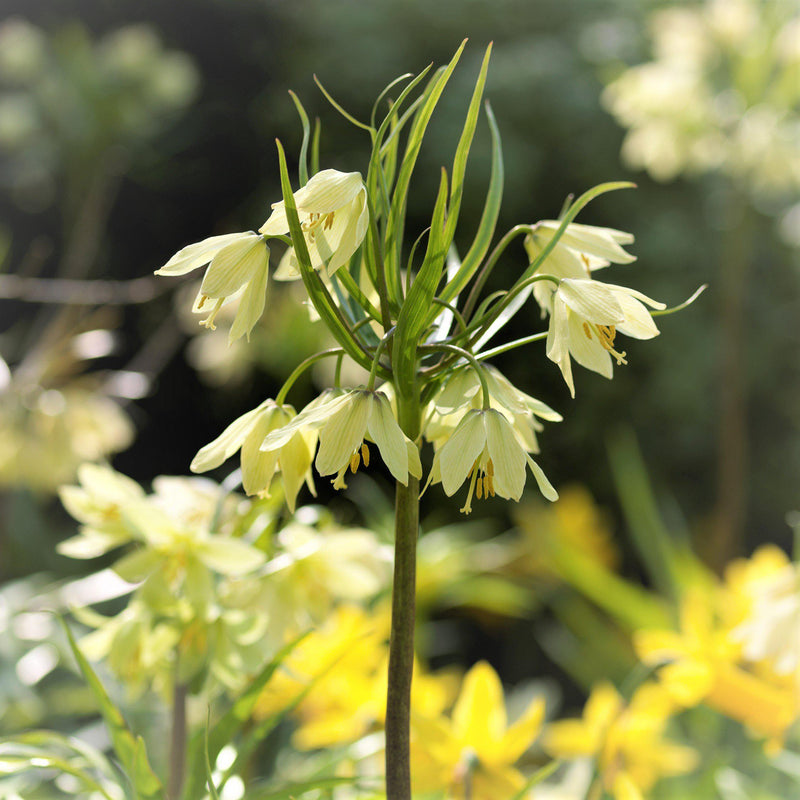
(467, 509)
(365, 453)
(208, 322)
(355, 460)
(338, 481)
(479, 489)
(587, 330)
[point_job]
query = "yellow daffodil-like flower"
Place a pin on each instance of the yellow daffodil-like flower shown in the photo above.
(580, 250)
(239, 262)
(585, 320)
(485, 448)
(472, 754)
(345, 423)
(332, 208)
(292, 458)
(703, 664)
(626, 739)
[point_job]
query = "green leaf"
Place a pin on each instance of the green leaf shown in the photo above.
(462, 151)
(207, 744)
(303, 166)
(131, 752)
(396, 221)
(411, 322)
(541, 774)
(491, 210)
(299, 789)
(209, 772)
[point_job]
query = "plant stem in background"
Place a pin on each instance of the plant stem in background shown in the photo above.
(177, 746)
(732, 445)
(401, 645)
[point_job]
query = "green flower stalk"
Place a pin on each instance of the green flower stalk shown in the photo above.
(419, 322)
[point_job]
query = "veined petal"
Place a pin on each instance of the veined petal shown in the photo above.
(593, 240)
(385, 432)
(343, 432)
(458, 454)
(592, 300)
(258, 466)
(637, 323)
(276, 224)
(251, 305)
(295, 459)
(287, 269)
(312, 416)
(229, 556)
(638, 295)
(508, 457)
(234, 265)
(195, 255)
(587, 350)
(328, 190)
(557, 345)
(228, 442)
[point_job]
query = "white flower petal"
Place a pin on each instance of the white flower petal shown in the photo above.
(545, 487)
(637, 323)
(251, 305)
(233, 266)
(195, 255)
(458, 454)
(385, 432)
(228, 442)
(592, 300)
(328, 190)
(343, 432)
(508, 457)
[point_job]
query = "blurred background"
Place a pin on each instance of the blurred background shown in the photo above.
(130, 129)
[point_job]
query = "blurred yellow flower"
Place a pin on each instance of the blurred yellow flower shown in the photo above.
(472, 753)
(626, 739)
(703, 664)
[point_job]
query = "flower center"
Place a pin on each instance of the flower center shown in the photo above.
(481, 483)
(605, 335)
(315, 220)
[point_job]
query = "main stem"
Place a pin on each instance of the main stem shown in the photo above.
(401, 644)
(177, 748)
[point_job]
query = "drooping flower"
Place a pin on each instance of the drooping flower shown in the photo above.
(580, 250)
(484, 448)
(345, 423)
(585, 320)
(473, 753)
(238, 261)
(332, 208)
(292, 458)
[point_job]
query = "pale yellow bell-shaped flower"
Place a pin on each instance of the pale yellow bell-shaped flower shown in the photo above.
(292, 459)
(585, 319)
(581, 250)
(485, 448)
(332, 208)
(345, 423)
(238, 267)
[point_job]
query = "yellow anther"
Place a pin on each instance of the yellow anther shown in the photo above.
(355, 460)
(365, 454)
(587, 330)
(479, 489)
(489, 468)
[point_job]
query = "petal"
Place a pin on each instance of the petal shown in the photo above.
(313, 416)
(228, 442)
(195, 255)
(385, 432)
(479, 715)
(600, 242)
(592, 300)
(251, 304)
(258, 466)
(233, 266)
(638, 295)
(458, 454)
(287, 269)
(557, 347)
(276, 224)
(521, 735)
(637, 323)
(343, 432)
(588, 352)
(328, 190)
(295, 459)
(545, 487)
(414, 464)
(508, 457)
(353, 234)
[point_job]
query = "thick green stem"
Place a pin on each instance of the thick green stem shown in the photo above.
(401, 645)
